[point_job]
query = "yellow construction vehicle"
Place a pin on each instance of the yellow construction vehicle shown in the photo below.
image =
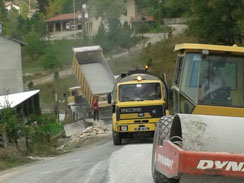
(94, 76)
(203, 141)
(78, 106)
(139, 100)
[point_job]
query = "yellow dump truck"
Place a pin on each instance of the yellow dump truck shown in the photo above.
(139, 99)
(93, 74)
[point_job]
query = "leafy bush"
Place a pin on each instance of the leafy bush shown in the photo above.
(35, 45)
(50, 60)
(41, 128)
(14, 127)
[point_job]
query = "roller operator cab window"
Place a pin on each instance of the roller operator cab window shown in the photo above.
(216, 79)
(139, 92)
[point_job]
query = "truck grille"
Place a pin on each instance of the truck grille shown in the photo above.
(154, 111)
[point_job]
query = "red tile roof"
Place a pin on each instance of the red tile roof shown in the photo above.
(68, 16)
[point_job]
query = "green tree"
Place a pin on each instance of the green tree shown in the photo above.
(151, 7)
(12, 23)
(101, 39)
(50, 59)
(3, 12)
(114, 32)
(11, 124)
(127, 38)
(35, 44)
(24, 9)
(3, 15)
(108, 8)
(42, 5)
(217, 21)
(68, 5)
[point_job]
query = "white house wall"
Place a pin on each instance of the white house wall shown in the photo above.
(9, 7)
(131, 12)
(10, 67)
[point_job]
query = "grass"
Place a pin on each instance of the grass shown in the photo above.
(160, 57)
(12, 157)
(59, 86)
(14, 162)
(62, 50)
(126, 63)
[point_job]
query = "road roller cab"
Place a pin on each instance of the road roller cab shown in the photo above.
(203, 141)
(209, 80)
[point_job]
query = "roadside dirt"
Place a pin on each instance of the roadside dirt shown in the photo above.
(94, 132)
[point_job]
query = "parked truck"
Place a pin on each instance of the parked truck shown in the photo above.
(78, 107)
(139, 99)
(203, 141)
(93, 74)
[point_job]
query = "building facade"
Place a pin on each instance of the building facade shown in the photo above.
(9, 5)
(10, 66)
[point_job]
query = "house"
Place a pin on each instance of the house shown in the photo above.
(142, 20)
(9, 5)
(11, 83)
(10, 65)
(92, 24)
(62, 22)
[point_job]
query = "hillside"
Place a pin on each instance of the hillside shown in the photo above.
(160, 57)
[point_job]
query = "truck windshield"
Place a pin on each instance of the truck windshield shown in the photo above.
(139, 92)
(216, 79)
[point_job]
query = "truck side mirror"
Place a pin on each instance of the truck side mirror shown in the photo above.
(109, 98)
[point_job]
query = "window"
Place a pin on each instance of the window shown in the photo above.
(139, 92)
(190, 77)
(178, 71)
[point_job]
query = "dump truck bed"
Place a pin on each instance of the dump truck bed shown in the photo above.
(98, 78)
(92, 71)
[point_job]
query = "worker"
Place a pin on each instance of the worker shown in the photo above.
(95, 109)
(210, 85)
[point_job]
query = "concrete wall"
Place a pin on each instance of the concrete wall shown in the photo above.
(10, 67)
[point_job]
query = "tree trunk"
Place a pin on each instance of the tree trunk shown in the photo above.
(4, 136)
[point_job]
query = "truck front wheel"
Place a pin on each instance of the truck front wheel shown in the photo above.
(116, 138)
(161, 133)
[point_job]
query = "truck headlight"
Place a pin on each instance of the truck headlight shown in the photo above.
(124, 128)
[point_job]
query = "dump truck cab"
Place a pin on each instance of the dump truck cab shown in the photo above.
(75, 95)
(77, 104)
(139, 100)
(203, 140)
(209, 80)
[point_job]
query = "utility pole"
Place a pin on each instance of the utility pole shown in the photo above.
(74, 17)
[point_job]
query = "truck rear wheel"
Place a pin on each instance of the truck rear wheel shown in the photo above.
(162, 133)
(116, 138)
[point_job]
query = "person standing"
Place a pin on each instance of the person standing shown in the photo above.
(95, 109)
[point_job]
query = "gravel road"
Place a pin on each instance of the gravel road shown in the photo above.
(101, 162)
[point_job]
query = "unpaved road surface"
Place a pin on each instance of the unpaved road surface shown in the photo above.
(101, 162)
